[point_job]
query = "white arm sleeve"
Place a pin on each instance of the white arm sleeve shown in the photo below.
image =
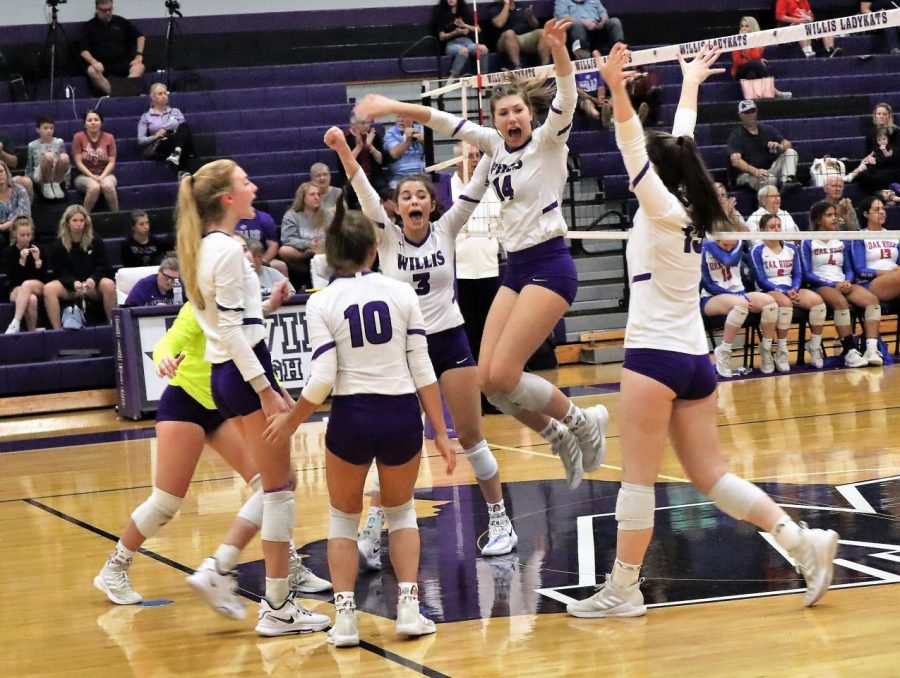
(370, 202)
(420, 366)
(324, 357)
(562, 109)
(685, 120)
(468, 199)
(455, 127)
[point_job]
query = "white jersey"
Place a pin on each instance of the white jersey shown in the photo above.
(427, 266)
(721, 270)
(663, 254)
(528, 180)
(232, 316)
(882, 255)
(788, 225)
(367, 336)
(775, 267)
(826, 259)
(476, 256)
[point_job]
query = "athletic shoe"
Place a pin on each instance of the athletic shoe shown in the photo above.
(13, 327)
(814, 559)
(643, 111)
(782, 360)
(591, 437)
(853, 358)
(606, 116)
(723, 362)
(114, 582)
(816, 355)
(369, 546)
(58, 192)
(783, 94)
(302, 580)
(502, 537)
(565, 446)
(411, 622)
(290, 618)
(767, 361)
(610, 601)
(48, 192)
(218, 590)
(835, 52)
(345, 631)
(872, 356)
(174, 159)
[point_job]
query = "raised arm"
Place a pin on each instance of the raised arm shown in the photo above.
(369, 201)
(458, 215)
(562, 108)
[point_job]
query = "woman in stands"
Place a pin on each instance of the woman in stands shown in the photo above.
(162, 131)
(225, 294)
(368, 341)
(94, 154)
(668, 390)
(454, 26)
(528, 172)
(877, 262)
(422, 254)
(23, 265)
(749, 64)
(80, 267)
(14, 203)
(303, 234)
(828, 270)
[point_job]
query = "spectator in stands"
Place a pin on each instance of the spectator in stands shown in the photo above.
(142, 248)
(303, 234)
(111, 45)
(880, 169)
(877, 262)
(80, 268)
(645, 93)
(268, 276)
(367, 145)
(828, 270)
(454, 26)
(759, 154)
(389, 202)
(404, 144)
(14, 203)
(519, 32)
(48, 163)
(593, 100)
(778, 272)
(262, 229)
(591, 25)
(320, 176)
(729, 205)
(23, 265)
(157, 289)
(749, 64)
(890, 34)
(162, 131)
(770, 203)
(834, 195)
(796, 12)
(94, 153)
(10, 157)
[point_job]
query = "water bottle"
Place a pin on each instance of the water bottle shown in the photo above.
(177, 294)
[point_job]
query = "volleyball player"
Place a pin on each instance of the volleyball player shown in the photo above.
(368, 341)
(877, 262)
(528, 172)
(668, 389)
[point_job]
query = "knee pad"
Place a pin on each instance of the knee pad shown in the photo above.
(735, 496)
(873, 312)
(401, 517)
(342, 525)
(482, 459)
(252, 510)
(842, 317)
(502, 402)
(769, 314)
(736, 316)
(786, 316)
(532, 393)
(158, 510)
(278, 516)
(817, 315)
(255, 482)
(635, 507)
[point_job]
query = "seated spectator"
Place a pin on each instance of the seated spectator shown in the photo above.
(367, 145)
(749, 64)
(645, 93)
(268, 276)
(14, 203)
(877, 262)
(890, 34)
(142, 248)
(156, 289)
(80, 269)
(729, 205)
(111, 45)
(9, 156)
(519, 32)
(303, 234)
(593, 100)
(778, 272)
(591, 28)
(796, 12)
(834, 195)
(23, 265)
(828, 270)
(263, 230)
(759, 154)
(94, 152)
(163, 133)
(389, 201)
(454, 26)
(47, 162)
(320, 177)
(880, 169)
(404, 144)
(769, 200)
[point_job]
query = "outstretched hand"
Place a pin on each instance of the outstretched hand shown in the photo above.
(700, 68)
(334, 138)
(555, 33)
(373, 106)
(613, 70)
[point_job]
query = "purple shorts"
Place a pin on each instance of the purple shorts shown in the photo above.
(232, 395)
(176, 405)
(691, 377)
(548, 264)
(369, 426)
(449, 349)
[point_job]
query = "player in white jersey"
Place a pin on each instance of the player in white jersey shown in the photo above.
(722, 293)
(369, 349)
(528, 171)
(777, 271)
(422, 253)
(877, 262)
(225, 293)
(828, 269)
(668, 388)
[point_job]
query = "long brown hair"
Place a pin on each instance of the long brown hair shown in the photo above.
(536, 94)
(299, 203)
(65, 234)
(349, 240)
(890, 127)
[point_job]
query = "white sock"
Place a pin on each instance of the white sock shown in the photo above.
(574, 417)
(121, 557)
(276, 592)
(343, 597)
(766, 343)
(871, 344)
(782, 344)
(787, 533)
(408, 588)
(726, 345)
(496, 510)
(551, 431)
(815, 340)
(625, 575)
(226, 557)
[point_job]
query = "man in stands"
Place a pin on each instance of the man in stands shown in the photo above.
(111, 45)
(834, 195)
(157, 289)
(591, 25)
(519, 32)
(760, 155)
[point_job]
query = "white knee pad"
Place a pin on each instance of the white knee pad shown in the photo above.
(817, 315)
(342, 525)
(482, 459)
(736, 316)
(635, 507)
(255, 482)
(252, 510)
(156, 511)
(735, 496)
(842, 317)
(532, 393)
(873, 312)
(769, 314)
(502, 402)
(278, 516)
(786, 315)
(401, 517)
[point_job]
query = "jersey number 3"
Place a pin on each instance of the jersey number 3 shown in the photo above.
(504, 190)
(374, 322)
(423, 286)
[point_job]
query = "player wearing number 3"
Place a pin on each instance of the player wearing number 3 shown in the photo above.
(527, 172)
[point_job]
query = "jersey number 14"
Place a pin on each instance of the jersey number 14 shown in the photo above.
(504, 189)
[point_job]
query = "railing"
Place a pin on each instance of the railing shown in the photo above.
(413, 47)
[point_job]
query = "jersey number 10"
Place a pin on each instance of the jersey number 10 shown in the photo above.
(375, 319)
